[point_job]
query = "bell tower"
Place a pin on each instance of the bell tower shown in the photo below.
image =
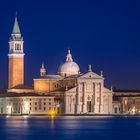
(16, 57)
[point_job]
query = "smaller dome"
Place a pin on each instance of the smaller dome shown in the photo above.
(69, 67)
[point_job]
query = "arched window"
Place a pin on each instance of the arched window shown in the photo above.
(15, 46)
(18, 47)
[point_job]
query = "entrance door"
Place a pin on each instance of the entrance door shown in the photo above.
(88, 106)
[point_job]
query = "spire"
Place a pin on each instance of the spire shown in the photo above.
(16, 29)
(42, 66)
(69, 57)
(89, 68)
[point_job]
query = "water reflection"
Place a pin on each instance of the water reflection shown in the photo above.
(52, 123)
(63, 128)
(16, 128)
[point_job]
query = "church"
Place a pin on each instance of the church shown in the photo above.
(69, 92)
(79, 93)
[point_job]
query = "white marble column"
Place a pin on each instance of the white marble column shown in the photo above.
(101, 98)
(78, 99)
(95, 98)
(109, 104)
(84, 98)
(66, 104)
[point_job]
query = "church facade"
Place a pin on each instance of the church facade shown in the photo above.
(83, 93)
(68, 92)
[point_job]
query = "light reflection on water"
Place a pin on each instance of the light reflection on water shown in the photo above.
(63, 128)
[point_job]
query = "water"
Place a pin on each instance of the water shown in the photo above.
(70, 128)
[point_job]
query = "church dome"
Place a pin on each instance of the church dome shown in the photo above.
(69, 67)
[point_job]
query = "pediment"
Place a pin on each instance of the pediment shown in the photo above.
(72, 89)
(91, 75)
(107, 90)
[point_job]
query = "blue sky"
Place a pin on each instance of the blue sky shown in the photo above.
(105, 34)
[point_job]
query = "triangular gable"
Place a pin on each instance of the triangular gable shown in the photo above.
(107, 90)
(72, 89)
(91, 75)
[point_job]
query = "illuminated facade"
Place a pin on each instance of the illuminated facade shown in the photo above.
(78, 93)
(72, 91)
(126, 102)
(68, 92)
(26, 104)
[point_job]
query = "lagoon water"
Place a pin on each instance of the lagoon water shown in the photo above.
(70, 128)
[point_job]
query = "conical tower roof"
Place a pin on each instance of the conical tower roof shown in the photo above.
(16, 29)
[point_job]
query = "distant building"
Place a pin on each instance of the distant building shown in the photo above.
(26, 104)
(68, 92)
(126, 102)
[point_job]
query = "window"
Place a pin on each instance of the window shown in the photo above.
(18, 47)
(35, 108)
(49, 103)
(44, 108)
(35, 103)
(40, 103)
(44, 103)
(15, 46)
(88, 98)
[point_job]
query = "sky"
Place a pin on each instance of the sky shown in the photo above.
(105, 34)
